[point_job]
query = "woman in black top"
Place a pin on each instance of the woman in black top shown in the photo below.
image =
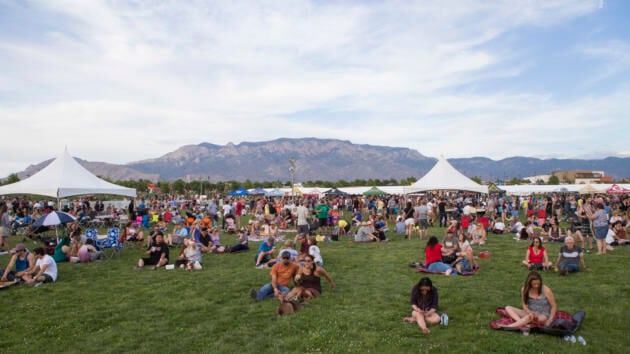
(424, 304)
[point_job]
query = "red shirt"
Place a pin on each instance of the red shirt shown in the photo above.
(433, 254)
(536, 258)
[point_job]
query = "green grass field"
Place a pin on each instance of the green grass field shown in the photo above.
(108, 307)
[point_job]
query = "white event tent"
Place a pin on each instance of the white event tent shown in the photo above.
(65, 177)
(443, 176)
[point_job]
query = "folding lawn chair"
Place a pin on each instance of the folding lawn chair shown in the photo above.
(112, 244)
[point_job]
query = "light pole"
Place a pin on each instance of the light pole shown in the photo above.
(292, 172)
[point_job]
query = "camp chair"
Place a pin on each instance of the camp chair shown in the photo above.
(110, 244)
(138, 221)
(91, 234)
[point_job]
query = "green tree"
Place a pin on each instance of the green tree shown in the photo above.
(165, 187)
(179, 186)
(554, 180)
(476, 179)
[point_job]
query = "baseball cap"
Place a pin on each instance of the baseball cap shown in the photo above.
(285, 254)
(19, 247)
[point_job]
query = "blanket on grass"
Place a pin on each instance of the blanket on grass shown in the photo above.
(563, 323)
(422, 269)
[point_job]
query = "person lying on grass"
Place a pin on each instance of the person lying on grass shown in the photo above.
(158, 254)
(433, 257)
(424, 305)
(308, 281)
(536, 256)
(282, 273)
(538, 302)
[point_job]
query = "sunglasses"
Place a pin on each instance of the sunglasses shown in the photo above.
(308, 261)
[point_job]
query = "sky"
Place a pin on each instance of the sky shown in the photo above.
(122, 81)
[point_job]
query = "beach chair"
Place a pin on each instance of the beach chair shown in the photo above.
(91, 234)
(110, 243)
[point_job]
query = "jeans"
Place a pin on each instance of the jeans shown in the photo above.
(443, 219)
(570, 267)
(438, 267)
(266, 292)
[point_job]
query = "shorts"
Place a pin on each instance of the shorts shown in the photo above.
(4, 231)
(151, 261)
(410, 221)
(47, 278)
(423, 223)
(586, 230)
(601, 232)
(323, 222)
(302, 229)
(465, 265)
(314, 292)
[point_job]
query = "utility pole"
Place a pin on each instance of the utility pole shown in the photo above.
(292, 172)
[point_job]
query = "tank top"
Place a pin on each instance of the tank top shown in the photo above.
(22, 264)
(312, 281)
(536, 258)
(539, 305)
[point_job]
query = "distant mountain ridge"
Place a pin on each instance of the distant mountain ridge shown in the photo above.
(324, 160)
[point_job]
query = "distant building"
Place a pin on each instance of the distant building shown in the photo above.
(537, 179)
(580, 176)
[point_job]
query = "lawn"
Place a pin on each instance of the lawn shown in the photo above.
(108, 307)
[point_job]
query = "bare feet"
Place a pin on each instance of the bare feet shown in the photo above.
(408, 319)
(426, 330)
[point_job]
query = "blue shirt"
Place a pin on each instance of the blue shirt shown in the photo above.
(265, 247)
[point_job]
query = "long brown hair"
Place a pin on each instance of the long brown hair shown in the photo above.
(533, 275)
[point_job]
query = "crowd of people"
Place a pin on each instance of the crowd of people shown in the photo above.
(161, 224)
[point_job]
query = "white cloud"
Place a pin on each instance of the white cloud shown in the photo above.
(122, 81)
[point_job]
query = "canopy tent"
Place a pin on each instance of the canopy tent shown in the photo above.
(443, 176)
(335, 192)
(65, 177)
(617, 189)
(312, 193)
(239, 192)
(276, 192)
(257, 191)
(373, 192)
(589, 189)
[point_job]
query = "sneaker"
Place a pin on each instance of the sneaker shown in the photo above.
(564, 271)
(581, 340)
(253, 293)
(259, 266)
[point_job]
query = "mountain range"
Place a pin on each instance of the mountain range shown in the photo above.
(324, 160)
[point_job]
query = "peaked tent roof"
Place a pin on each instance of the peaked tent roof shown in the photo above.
(443, 176)
(65, 177)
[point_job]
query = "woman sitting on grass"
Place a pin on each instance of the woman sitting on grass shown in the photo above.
(424, 305)
(450, 246)
(478, 234)
(539, 304)
(189, 257)
(433, 257)
(308, 281)
(465, 261)
(536, 256)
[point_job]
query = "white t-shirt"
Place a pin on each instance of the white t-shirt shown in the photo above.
(314, 251)
(499, 226)
(302, 214)
(610, 236)
(52, 266)
(226, 209)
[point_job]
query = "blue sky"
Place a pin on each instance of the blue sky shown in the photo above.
(120, 81)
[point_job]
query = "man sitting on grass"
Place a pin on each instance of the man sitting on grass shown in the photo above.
(24, 262)
(158, 254)
(570, 257)
(364, 234)
(282, 273)
(45, 269)
(265, 251)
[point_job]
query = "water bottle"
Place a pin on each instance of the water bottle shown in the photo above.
(581, 340)
(444, 319)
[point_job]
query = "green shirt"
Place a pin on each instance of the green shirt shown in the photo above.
(322, 211)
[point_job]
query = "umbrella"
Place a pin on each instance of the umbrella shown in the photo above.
(54, 218)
